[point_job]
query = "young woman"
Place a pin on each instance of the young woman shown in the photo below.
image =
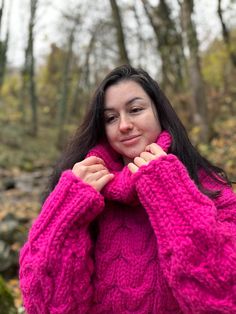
(137, 220)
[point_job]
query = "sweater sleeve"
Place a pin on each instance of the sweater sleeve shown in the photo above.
(56, 264)
(196, 236)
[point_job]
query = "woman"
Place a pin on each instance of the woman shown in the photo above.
(137, 220)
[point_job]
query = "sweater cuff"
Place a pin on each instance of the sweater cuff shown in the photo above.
(165, 184)
(71, 187)
(71, 200)
(72, 184)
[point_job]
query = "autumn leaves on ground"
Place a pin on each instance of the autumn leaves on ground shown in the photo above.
(42, 103)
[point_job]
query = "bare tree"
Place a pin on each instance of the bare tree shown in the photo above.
(226, 34)
(169, 44)
(3, 45)
(1, 13)
(89, 51)
(28, 71)
(199, 102)
(63, 102)
(141, 42)
(83, 84)
(120, 33)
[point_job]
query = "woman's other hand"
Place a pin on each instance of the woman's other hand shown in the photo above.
(152, 151)
(92, 171)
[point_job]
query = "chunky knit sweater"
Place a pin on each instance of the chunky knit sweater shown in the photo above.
(161, 245)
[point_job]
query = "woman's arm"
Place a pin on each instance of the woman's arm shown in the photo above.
(196, 236)
(56, 264)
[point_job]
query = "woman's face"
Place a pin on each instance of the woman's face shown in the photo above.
(131, 120)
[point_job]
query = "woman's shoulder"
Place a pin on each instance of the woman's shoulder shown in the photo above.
(218, 183)
(212, 180)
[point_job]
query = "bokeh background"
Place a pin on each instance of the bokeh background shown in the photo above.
(53, 53)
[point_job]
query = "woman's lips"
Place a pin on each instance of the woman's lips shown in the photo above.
(130, 140)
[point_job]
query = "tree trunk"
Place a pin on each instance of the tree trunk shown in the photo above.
(33, 97)
(199, 103)
(141, 43)
(63, 102)
(169, 45)
(83, 83)
(29, 69)
(23, 94)
(1, 13)
(3, 48)
(89, 51)
(123, 55)
(226, 35)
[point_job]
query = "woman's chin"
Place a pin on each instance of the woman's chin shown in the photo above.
(130, 156)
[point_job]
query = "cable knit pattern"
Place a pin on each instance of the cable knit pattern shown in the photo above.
(56, 263)
(162, 246)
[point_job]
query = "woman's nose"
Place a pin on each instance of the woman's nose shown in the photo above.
(125, 124)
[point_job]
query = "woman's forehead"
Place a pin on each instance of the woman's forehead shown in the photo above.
(125, 92)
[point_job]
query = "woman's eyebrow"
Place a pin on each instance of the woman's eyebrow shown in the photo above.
(129, 102)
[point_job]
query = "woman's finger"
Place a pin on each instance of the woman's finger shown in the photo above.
(88, 165)
(96, 175)
(155, 149)
(132, 167)
(147, 156)
(138, 161)
(92, 160)
(95, 168)
(100, 183)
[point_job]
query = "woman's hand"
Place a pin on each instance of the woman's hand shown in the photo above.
(152, 151)
(92, 171)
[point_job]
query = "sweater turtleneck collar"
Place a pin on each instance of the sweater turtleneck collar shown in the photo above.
(121, 187)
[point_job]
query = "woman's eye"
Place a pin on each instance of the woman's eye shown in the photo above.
(134, 110)
(109, 119)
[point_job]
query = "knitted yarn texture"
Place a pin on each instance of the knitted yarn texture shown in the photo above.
(161, 245)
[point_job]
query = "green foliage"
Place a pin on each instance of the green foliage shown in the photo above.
(6, 299)
(50, 80)
(221, 150)
(10, 93)
(216, 63)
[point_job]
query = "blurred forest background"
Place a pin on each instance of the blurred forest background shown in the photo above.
(52, 56)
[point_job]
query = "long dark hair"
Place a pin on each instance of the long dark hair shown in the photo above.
(92, 130)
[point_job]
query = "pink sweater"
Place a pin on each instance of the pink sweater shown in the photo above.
(162, 246)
